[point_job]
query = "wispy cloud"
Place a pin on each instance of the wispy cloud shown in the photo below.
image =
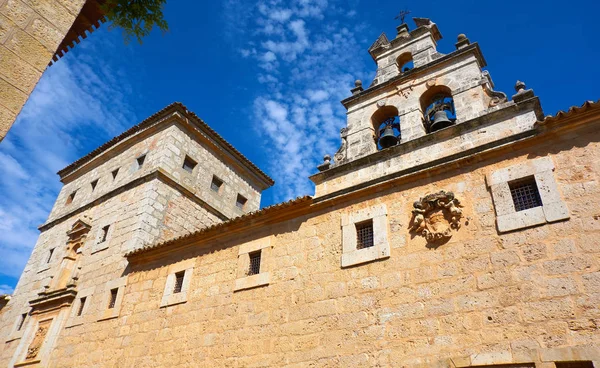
(6, 289)
(79, 103)
(307, 52)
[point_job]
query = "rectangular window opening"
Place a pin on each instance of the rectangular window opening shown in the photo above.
(104, 234)
(50, 255)
(140, 161)
(254, 268)
(575, 364)
(525, 193)
(216, 184)
(94, 183)
(71, 197)
(364, 234)
(240, 201)
(113, 298)
(178, 282)
(21, 321)
(189, 164)
(81, 305)
(114, 173)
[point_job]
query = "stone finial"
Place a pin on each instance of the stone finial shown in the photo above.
(402, 31)
(358, 88)
(326, 163)
(462, 41)
(522, 92)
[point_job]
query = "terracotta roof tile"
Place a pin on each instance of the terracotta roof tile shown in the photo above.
(573, 110)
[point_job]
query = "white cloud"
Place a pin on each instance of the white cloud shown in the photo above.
(75, 94)
(5, 289)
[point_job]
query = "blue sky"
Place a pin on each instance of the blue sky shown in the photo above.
(268, 76)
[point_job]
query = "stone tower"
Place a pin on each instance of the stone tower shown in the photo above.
(165, 177)
(413, 82)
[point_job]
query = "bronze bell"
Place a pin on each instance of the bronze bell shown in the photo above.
(388, 138)
(440, 121)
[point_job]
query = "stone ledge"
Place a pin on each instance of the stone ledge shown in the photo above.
(263, 278)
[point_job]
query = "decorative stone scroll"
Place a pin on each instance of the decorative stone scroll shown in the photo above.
(435, 215)
(38, 340)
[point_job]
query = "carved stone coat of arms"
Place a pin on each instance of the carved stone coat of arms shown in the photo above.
(435, 215)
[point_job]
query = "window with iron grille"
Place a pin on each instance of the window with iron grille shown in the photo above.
(240, 201)
(93, 184)
(178, 282)
(254, 268)
(104, 234)
(71, 197)
(216, 184)
(578, 364)
(81, 305)
(21, 321)
(525, 193)
(189, 164)
(114, 173)
(50, 253)
(113, 298)
(364, 234)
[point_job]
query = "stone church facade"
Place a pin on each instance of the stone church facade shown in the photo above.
(454, 227)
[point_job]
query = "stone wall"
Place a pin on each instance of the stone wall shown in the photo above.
(30, 32)
(529, 296)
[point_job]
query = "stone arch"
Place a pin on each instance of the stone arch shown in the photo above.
(404, 61)
(434, 100)
(385, 116)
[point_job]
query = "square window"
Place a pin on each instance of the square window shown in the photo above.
(254, 266)
(94, 183)
(104, 234)
(525, 193)
(216, 184)
(71, 197)
(81, 305)
(114, 173)
(189, 164)
(140, 161)
(22, 319)
(364, 234)
(178, 282)
(240, 201)
(50, 253)
(113, 298)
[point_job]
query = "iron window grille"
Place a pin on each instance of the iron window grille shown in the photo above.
(140, 160)
(241, 201)
(189, 164)
(178, 282)
(104, 234)
(94, 183)
(113, 298)
(81, 305)
(21, 321)
(525, 194)
(216, 184)
(114, 173)
(364, 234)
(254, 268)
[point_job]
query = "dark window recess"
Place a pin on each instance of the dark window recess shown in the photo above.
(21, 321)
(113, 298)
(240, 201)
(114, 173)
(50, 255)
(578, 364)
(525, 194)
(254, 268)
(71, 197)
(364, 234)
(104, 234)
(94, 183)
(140, 160)
(216, 184)
(178, 282)
(189, 164)
(81, 305)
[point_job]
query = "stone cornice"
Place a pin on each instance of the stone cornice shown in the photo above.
(159, 174)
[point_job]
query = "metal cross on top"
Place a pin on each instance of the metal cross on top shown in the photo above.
(402, 15)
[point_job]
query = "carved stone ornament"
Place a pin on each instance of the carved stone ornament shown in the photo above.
(38, 340)
(381, 103)
(435, 215)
